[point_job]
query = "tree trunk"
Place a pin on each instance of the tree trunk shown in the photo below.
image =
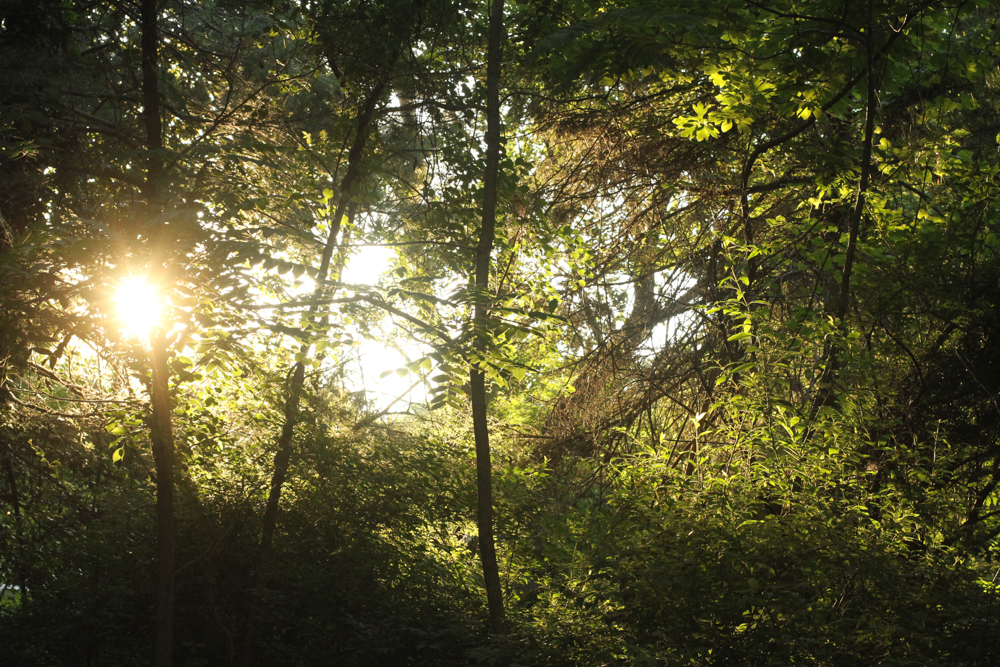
(151, 105)
(283, 455)
(477, 379)
(161, 430)
(163, 452)
(19, 569)
(827, 394)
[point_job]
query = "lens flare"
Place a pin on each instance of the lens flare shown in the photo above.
(138, 306)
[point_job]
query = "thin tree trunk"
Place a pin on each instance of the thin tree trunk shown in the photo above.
(151, 103)
(866, 168)
(283, 455)
(20, 577)
(161, 430)
(827, 395)
(477, 379)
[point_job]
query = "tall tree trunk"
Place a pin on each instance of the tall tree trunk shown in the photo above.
(163, 453)
(827, 395)
(871, 107)
(161, 430)
(283, 455)
(151, 105)
(477, 379)
(19, 570)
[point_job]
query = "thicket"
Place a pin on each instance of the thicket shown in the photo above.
(705, 301)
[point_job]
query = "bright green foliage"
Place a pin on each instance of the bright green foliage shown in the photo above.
(742, 353)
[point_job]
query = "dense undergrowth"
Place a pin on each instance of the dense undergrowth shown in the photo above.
(758, 561)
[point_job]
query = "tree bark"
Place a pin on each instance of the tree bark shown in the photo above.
(19, 572)
(151, 101)
(163, 453)
(161, 430)
(477, 379)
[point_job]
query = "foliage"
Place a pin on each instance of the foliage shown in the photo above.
(740, 347)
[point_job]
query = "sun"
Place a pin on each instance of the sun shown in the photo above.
(138, 307)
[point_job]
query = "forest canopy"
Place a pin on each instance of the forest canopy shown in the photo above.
(562, 332)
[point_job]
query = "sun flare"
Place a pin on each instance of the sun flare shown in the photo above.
(138, 307)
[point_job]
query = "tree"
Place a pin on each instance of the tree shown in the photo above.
(161, 429)
(477, 379)
(156, 236)
(702, 296)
